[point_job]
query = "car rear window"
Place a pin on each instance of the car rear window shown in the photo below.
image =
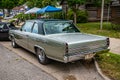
(54, 27)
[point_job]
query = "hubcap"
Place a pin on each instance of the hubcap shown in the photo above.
(13, 43)
(41, 55)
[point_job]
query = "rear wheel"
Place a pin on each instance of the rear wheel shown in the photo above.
(41, 56)
(13, 43)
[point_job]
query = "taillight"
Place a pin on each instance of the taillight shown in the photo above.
(108, 42)
(66, 48)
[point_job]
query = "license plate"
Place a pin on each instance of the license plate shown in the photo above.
(89, 56)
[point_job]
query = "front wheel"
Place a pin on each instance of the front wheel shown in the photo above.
(42, 57)
(13, 43)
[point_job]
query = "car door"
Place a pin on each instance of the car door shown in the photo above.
(4, 30)
(36, 37)
(23, 33)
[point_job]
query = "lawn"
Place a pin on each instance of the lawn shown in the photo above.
(94, 28)
(109, 64)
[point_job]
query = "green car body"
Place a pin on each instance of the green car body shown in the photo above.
(59, 39)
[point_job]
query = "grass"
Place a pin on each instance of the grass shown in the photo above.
(110, 64)
(94, 28)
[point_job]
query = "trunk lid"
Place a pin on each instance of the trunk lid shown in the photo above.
(71, 38)
(81, 43)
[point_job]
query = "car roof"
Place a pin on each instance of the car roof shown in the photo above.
(46, 20)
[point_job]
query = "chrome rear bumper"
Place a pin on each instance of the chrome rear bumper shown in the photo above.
(75, 57)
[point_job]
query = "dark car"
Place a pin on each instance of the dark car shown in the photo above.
(4, 30)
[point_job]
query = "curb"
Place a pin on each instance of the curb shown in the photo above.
(99, 71)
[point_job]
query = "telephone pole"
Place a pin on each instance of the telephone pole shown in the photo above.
(102, 14)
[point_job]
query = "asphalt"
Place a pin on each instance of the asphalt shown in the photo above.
(13, 67)
(79, 70)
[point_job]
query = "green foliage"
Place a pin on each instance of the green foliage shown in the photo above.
(57, 15)
(20, 2)
(46, 2)
(34, 3)
(116, 26)
(74, 4)
(24, 17)
(82, 16)
(40, 3)
(98, 3)
(110, 64)
(93, 28)
(12, 21)
(8, 4)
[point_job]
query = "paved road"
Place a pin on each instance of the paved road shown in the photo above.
(13, 67)
(72, 71)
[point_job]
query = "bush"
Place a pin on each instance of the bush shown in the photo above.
(82, 16)
(116, 26)
(24, 17)
(20, 16)
(57, 15)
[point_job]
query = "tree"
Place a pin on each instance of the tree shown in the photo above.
(40, 3)
(74, 5)
(20, 2)
(34, 3)
(49, 2)
(98, 3)
(8, 4)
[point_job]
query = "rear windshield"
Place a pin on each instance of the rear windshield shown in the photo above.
(54, 27)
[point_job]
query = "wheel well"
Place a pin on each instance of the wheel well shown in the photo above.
(10, 37)
(35, 48)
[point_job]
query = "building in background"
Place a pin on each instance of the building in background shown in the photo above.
(19, 9)
(94, 13)
(115, 17)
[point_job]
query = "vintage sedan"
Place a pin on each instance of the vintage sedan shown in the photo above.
(58, 40)
(4, 29)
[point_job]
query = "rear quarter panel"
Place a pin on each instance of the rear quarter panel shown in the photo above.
(55, 49)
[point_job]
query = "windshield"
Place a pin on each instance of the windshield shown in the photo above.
(59, 27)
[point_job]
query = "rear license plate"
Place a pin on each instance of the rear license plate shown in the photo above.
(89, 56)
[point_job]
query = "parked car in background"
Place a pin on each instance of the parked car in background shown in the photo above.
(58, 40)
(4, 30)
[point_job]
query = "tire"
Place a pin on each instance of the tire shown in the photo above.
(13, 43)
(41, 56)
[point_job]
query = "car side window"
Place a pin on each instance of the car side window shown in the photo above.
(27, 27)
(35, 28)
